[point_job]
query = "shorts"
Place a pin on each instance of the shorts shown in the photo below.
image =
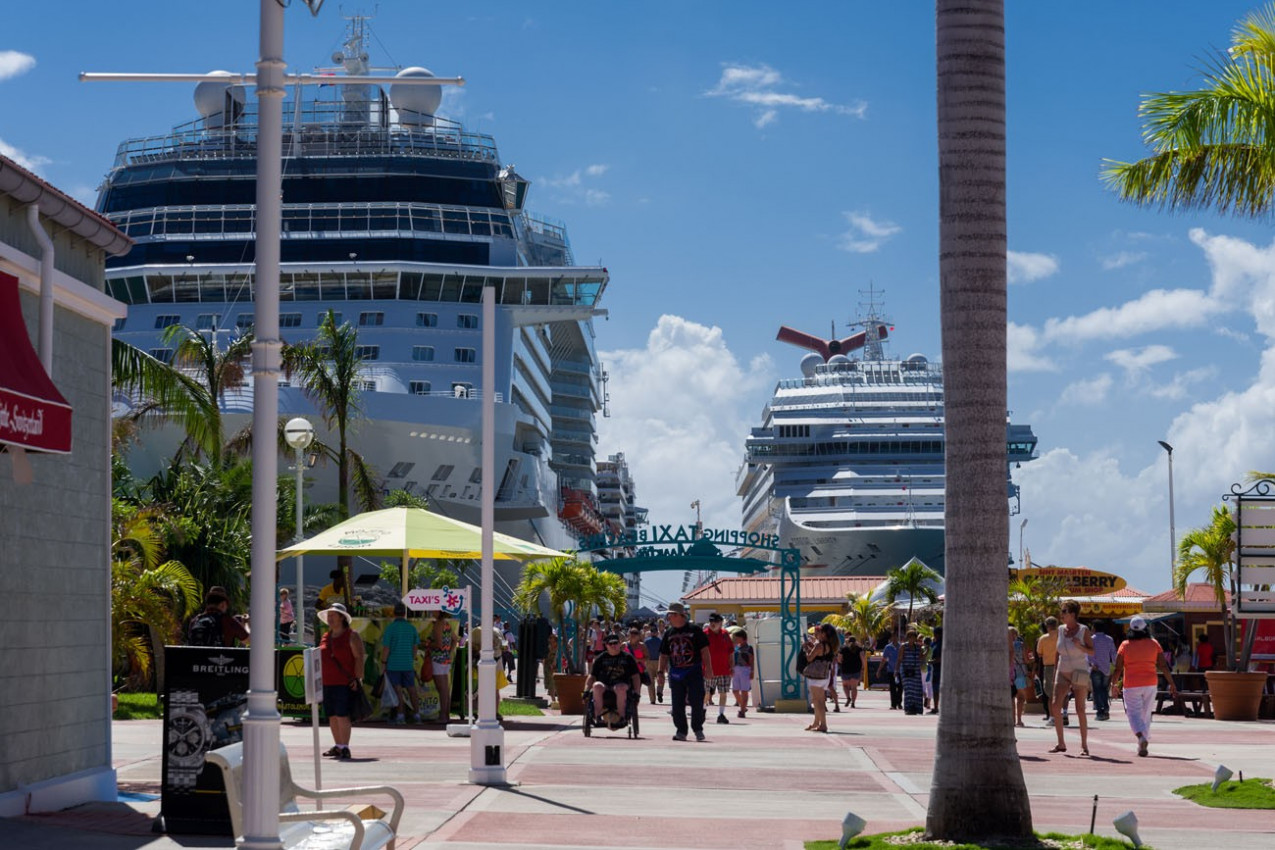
(1068, 679)
(441, 669)
(401, 678)
(851, 677)
(718, 683)
(742, 680)
(336, 700)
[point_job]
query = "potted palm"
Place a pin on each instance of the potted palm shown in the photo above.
(573, 587)
(1236, 694)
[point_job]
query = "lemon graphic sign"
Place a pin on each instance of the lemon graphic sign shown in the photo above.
(294, 676)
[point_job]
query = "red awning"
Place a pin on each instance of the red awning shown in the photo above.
(33, 414)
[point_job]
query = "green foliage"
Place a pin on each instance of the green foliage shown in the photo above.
(1250, 794)
(423, 572)
(882, 841)
(865, 618)
(914, 579)
(139, 706)
(566, 580)
(1031, 600)
(403, 499)
(509, 708)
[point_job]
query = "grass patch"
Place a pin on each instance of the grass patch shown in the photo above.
(519, 709)
(910, 839)
(139, 706)
(1253, 793)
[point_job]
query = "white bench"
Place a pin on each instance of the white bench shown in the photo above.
(310, 830)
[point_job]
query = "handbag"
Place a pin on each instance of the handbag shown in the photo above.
(378, 690)
(818, 670)
(360, 705)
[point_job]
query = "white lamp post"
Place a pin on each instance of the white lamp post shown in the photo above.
(1173, 537)
(1021, 526)
(300, 433)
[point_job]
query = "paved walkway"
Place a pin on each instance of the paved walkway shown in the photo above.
(759, 783)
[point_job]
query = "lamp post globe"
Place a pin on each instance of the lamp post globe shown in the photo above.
(299, 433)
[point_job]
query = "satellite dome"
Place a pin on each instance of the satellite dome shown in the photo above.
(809, 363)
(416, 104)
(916, 361)
(838, 361)
(210, 98)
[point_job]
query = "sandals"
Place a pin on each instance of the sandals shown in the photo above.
(1084, 751)
(812, 727)
(821, 728)
(1060, 748)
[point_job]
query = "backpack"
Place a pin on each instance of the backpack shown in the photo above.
(205, 630)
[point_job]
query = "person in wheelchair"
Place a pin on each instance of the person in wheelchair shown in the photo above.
(615, 672)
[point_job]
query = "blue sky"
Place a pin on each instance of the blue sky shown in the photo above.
(737, 167)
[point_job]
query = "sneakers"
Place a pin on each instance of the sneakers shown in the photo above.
(400, 720)
(680, 736)
(1103, 717)
(333, 753)
(660, 696)
(739, 713)
(837, 708)
(1066, 720)
(699, 736)
(1142, 746)
(721, 718)
(345, 754)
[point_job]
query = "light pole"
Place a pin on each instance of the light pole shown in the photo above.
(1173, 537)
(300, 433)
(1021, 526)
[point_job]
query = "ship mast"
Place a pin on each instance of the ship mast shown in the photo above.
(873, 322)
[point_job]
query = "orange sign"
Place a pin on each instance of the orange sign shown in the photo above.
(1077, 581)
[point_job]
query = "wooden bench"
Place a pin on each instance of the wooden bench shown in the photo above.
(310, 830)
(1201, 705)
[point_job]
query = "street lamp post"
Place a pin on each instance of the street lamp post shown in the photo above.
(1173, 537)
(300, 433)
(1021, 526)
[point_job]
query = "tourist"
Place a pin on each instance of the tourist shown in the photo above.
(1100, 665)
(743, 667)
(214, 626)
(334, 590)
(890, 664)
(851, 660)
(637, 649)
(911, 657)
(820, 651)
(936, 666)
(287, 616)
(551, 666)
(927, 687)
(442, 645)
(398, 656)
(684, 656)
(654, 687)
(1075, 646)
(1204, 655)
(1019, 677)
(1047, 662)
(722, 649)
(1137, 661)
(508, 651)
(613, 670)
(342, 654)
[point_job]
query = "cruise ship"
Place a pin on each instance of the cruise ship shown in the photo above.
(395, 218)
(847, 465)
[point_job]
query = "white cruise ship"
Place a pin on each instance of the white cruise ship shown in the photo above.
(395, 218)
(847, 465)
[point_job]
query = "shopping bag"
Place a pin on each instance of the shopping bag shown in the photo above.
(389, 697)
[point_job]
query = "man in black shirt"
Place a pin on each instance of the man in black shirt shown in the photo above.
(684, 655)
(615, 670)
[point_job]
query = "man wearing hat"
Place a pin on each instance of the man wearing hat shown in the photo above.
(398, 656)
(1137, 661)
(684, 656)
(214, 626)
(722, 649)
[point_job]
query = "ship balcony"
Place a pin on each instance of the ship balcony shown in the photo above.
(574, 436)
(580, 368)
(568, 390)
(568, 415)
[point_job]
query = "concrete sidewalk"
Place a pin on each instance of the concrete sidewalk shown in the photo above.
(760, 782)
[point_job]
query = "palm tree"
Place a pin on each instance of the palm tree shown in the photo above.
(1211, 148)
(150, 595)
(978, 789)
(1211, 549)
(579, 583)
(215, 371)
(159, 390)
(1031, 600)
(913, 579)
(865, 618)
(328, 368)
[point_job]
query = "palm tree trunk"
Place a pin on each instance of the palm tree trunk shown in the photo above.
(344, 563)
(978, 789)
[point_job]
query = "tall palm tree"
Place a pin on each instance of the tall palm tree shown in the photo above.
(865, 618)
(160, 391)
(1211, 550)
(328, 368)
(913, 579)
(215, 370)
(1212, 148)
(563, 581)
(978, 788)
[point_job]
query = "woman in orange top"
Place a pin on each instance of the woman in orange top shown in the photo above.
(1137, 661)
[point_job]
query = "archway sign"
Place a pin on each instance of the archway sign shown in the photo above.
(688, 547)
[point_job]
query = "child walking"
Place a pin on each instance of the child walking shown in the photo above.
(743, 667)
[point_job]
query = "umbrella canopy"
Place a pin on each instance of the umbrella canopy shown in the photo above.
(414, 533)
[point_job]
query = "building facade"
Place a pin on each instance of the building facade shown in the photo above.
(617, 502)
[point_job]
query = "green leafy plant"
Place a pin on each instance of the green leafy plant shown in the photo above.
(573, 584)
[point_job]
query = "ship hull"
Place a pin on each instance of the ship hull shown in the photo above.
(861, 551)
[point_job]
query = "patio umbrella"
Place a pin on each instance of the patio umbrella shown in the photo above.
(414, 533)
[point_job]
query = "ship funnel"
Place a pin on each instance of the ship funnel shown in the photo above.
(220, 103)
(416, 105)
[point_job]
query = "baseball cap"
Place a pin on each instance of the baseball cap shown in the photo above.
(677, 608)
(714, 618)
(1138, 624)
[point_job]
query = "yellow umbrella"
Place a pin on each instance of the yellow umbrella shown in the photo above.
(414, 533)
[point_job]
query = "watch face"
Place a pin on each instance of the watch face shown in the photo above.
(186, 736)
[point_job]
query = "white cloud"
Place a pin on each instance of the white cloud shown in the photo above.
(1136, 362)
(1182, 382)
(578, 185)
(1024, 267)
(1022, 355)
(31, 162)
(1123, 258)
(680, 410)
(1087, 392)
(1152, 311)
(13, 64)
(865, 234)
(596, 170)
(754, 86)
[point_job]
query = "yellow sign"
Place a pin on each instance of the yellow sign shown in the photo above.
(1077, 581)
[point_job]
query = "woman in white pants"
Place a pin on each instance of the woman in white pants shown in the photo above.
(1137, 661)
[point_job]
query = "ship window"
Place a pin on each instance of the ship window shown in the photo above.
(426, 320)
(305, 286)
(367, 352)
(245, 320)
(418, 387)
(207, 321)
(119, 325)
(467, 320)
(371, 318)
(422, 352)
(358, 286)
(476, 477)
(164, 355)
(465, 355)
(451, 288)
(443, 472)
(167, 321)
(336, 319)
(409, 286)
(289, 320)
(367, 386)
(384, 285)
(331, 287)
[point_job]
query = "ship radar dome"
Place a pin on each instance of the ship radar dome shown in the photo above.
(211, 99)
(809, 363)
(839, 361)
(416, 105)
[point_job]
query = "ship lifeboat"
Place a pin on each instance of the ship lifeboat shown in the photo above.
(580, 512)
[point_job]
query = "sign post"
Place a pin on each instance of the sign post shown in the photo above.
(314, 695)
(452, 601)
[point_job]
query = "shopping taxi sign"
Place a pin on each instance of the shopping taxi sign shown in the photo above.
(1076, 581)
(446, 599)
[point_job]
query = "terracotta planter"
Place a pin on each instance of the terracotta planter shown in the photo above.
(570, 686)
(1235, 696)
